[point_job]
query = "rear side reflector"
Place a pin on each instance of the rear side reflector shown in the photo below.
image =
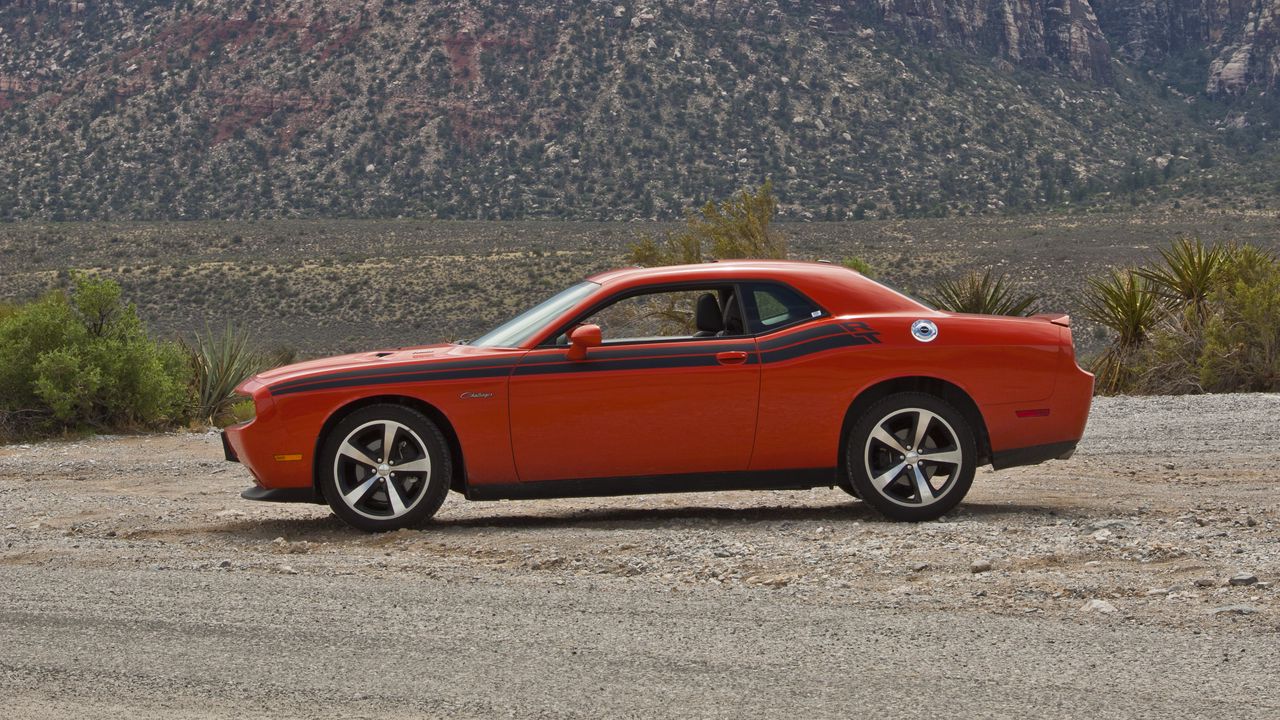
(1039, 412)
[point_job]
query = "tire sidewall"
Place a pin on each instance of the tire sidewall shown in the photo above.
(437, 449)
(855, 456)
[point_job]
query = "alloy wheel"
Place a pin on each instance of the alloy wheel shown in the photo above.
(382, 469)
(913, 457)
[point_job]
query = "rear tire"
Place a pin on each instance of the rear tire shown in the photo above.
(911, 456)
(385, 467)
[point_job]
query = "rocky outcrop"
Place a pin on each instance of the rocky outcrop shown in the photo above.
(1044, 34)
(1242, 37)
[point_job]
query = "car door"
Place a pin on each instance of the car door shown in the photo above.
(668, 392)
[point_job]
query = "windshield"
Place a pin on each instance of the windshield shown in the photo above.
(520, 328)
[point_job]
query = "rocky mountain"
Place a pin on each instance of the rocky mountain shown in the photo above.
(123, 109)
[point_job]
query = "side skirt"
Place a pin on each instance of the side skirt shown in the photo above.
(801, 479)
(1032, 455)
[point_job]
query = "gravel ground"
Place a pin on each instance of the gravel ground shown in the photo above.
(135, 583)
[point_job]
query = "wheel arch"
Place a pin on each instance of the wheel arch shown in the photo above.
(948, 391)
(459, 479)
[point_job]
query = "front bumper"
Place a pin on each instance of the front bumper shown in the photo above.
(227, 451)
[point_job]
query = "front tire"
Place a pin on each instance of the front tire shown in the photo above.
(911, 456)
(385, 467)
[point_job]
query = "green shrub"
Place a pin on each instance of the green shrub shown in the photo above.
(1242, 336)
(1124, 303)
(858, 265)
(738, 227)
(220, 362)
(980, 294)
(83, 359)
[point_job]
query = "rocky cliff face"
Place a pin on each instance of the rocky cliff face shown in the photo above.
(1241, 38)
(1042, 34)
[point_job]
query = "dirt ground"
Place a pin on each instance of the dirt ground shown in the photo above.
(134, 582)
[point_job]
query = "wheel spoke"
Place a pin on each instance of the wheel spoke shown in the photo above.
(922, 486)
(942, 457)
(882, 481)
(357, 454)
(393, 494)
(887, 438)
(422, 465)
(361, 490)
(923, 419)
(388, 440)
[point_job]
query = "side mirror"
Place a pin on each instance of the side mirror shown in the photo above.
(581, 338)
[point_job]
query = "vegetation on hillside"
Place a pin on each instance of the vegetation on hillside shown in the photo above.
(491, 109)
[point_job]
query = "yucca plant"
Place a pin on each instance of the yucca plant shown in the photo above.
(1187, 277)
(981, 294)
(222, 361)
(1124, 302)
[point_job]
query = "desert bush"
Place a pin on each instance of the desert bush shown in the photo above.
(83, 359)
(1123, 302)
(1205, 320)
(858, 265)
(738, 227)
(1241, 349)
(221, 361)
(982, 294)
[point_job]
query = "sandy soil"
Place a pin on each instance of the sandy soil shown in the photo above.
(135, 583)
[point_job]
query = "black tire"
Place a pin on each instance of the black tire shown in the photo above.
(364, 472)
(946, 464)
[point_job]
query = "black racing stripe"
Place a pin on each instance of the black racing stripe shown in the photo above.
(601, 364)
(394, 379)
(678, 349)
(817, 345)
(429, 366)
(778, 341)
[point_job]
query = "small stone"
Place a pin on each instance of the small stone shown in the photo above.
(1205, 582)
(1096, 605)
(1250, 522)
(980, 566)
(1154, 592)
(920, 567)
(287, 570)
(1243, 578)
(224, 564)
(10, 526)
(1234, 610)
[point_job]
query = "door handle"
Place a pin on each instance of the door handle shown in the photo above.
(733, 357)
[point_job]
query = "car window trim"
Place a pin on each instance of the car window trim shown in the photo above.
(749, 314)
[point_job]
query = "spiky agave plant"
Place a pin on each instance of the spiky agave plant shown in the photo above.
(1124, 302)
(982, 294)
(1188, 275)
(221, 362)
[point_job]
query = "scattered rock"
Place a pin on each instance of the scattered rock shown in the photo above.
(920, 567)
(1154, 592)
(224, 564)
(1115, 524)
(287, 570)
(1243, 578)
(1205, 582)
(1234, 610)
(1096, 605)
(980, 566)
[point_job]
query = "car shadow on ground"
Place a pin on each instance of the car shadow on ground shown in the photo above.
(511, 515)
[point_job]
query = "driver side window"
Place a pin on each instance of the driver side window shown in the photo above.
(670, 314)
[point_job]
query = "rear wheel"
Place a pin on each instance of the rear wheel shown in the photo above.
(911, 456)
(385, 467)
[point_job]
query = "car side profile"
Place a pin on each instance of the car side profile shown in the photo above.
(720, 376)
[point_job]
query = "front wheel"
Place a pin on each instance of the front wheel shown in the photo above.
(385, 467)
(911, 456)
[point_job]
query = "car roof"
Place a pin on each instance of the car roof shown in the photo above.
(837, 288)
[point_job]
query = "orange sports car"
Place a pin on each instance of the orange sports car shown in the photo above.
(723, 376)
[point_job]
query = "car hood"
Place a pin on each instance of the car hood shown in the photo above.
(410, 358)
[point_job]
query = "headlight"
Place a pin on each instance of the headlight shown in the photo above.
(241, 409)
